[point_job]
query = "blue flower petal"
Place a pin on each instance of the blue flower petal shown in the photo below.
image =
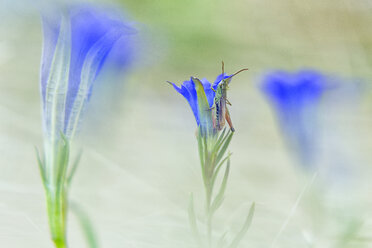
(51, 27)
(295, 97)
(98, 37)
(90, 25)
(301, 88)
(208, 91)
(219, 80)
(188, 91)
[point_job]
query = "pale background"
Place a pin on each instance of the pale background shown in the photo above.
(140, 161)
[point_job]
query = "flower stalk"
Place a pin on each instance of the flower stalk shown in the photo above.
(208, 104)
(56, 190)
(79, 41)
(211, 154)
(57, 206)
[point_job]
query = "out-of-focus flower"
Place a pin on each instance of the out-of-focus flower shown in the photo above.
(295, 98)
(200, 96)
(79, 41)
(77, 44)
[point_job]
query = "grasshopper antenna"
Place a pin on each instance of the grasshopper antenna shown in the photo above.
(223, 67)
(245, 69)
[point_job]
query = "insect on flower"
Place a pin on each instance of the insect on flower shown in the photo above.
(208, 104)
(221, 111)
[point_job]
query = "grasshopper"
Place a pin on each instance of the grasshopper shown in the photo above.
(220, 102)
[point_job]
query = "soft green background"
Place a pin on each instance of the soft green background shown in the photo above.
(140, 161)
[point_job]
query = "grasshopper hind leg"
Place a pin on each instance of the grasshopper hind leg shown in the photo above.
(228, 119)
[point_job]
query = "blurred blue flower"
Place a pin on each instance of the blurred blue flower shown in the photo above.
(78, 42)
(295, 98)
(201, 99)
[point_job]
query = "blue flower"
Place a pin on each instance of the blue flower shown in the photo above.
(78, 43)
(201, 99)
(189, 92)
(295, 97)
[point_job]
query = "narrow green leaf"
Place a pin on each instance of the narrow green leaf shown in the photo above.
(244, 228)
(86, 226)
(220, 195)
(221, 136)
(206, 169)
(62, 160)
(200, 148)
(221, 140)
(218, 167)
(205, 144)
(224, 147)
(192, 219)
(205, 113)
(73, 168)
(41, 167)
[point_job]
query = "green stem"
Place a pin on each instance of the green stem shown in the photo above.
(208, 157)
(208, 197)
(209, 215)
(57, 206)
